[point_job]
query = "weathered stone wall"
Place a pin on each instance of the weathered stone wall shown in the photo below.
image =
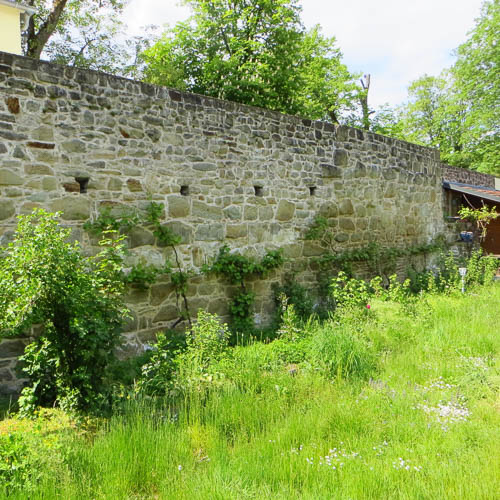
(225, 173)
(456, 174)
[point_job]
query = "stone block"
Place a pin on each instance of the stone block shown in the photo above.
(312, 249)
(134, 185)
(266, 213)
(205, 211)
(138, 236)
(250, 212)
(233, 212)
(234, 231)
(286, 211)
(9, 178)
(329, 210)
(346, 207)
(178, 206)
(74, 146)
(341, 237)
(11, 348)
(49, 184)
(115, 184)
(331, 171)
(209, 232)
(204, 166)
(347, 224)
(160, 292)
(7, 209)
(38, 169)
(72, 207)
(340, 158)
(181, 229)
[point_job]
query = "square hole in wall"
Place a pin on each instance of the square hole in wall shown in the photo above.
(259, 190)
(312, 190)
(185, 190)
(84, 182)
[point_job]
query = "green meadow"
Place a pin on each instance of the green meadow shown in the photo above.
(396, 402)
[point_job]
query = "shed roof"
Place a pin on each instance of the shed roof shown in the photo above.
(486, 193)
(19, 6)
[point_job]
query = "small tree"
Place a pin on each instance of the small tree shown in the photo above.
(480, 217)
(46, 280)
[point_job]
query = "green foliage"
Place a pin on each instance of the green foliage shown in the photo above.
(16, 465)
(477, 84)
(458, 111)
(206, 344)
(349, 292)
(240, 310)
(77, 300)
(32, 448)
(257, 53)
(382, 260)
(142, 275)
(158, 374)
(107, 220)
(296, 295)
(236, 268)
(480, 217)
(85, 33)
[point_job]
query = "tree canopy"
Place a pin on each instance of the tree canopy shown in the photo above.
(255, 52)
(84, 33)
(459, 110)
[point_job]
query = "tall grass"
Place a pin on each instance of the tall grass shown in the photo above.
(408, 409)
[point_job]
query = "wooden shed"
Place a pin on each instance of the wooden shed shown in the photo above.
(458, 195)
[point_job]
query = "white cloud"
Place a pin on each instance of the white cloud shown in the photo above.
(395, 41)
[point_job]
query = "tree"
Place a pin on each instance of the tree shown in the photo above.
(88, 33)
(459, 111)
(255, 52)
(477, 77)
(78, 301)
(59, 17)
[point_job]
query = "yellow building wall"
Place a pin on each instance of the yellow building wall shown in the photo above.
(10, 30)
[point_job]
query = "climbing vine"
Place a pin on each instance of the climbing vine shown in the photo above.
(237, 268)
(381, 260)
(142, 275)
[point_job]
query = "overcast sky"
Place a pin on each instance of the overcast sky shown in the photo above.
(395, 41)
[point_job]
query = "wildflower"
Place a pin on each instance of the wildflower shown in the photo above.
(179, 467)
(368, 306)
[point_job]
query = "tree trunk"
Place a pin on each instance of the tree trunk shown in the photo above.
(37, 40)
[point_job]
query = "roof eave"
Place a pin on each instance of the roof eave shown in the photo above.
(19, 6)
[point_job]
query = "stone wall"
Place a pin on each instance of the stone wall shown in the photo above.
(456, 174)
(225, 173)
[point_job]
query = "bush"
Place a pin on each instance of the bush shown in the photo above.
(178, 365)
(206, 345)
(296, 295)
(45, 280)
(158, 374)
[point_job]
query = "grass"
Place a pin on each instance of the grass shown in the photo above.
(412, 414)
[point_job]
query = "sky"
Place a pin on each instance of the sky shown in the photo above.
(395, 41)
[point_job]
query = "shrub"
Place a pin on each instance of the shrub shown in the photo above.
(45, 280)
(296, 295)
(158, 374)
(206, 344)
(349, 292)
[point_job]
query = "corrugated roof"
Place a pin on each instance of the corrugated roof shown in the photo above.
(485, 193)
